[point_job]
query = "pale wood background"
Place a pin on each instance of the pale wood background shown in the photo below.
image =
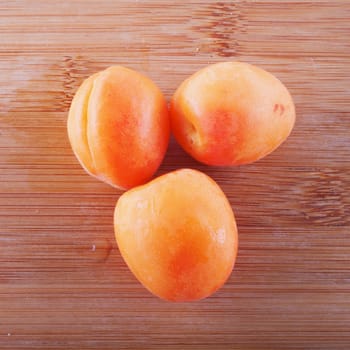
(63, 284)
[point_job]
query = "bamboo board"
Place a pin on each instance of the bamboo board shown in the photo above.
(63, 284)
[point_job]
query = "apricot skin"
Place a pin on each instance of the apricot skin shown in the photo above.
(231, 113)
(118, 126)
(178, 235)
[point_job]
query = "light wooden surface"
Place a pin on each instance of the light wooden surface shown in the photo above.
(63, 284)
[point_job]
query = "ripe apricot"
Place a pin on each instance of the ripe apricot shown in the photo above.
(178, 235)
(231, 113)
(118, 126)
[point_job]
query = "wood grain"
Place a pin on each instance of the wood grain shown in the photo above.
(63, 284)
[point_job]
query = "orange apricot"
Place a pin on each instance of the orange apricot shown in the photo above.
(178, 235)
(231, 113)
(118, 126)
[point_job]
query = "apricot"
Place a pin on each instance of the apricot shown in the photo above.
(231, 113)
(178, 235)
(118, 126)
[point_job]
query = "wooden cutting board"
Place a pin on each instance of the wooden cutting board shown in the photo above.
(63, 284)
